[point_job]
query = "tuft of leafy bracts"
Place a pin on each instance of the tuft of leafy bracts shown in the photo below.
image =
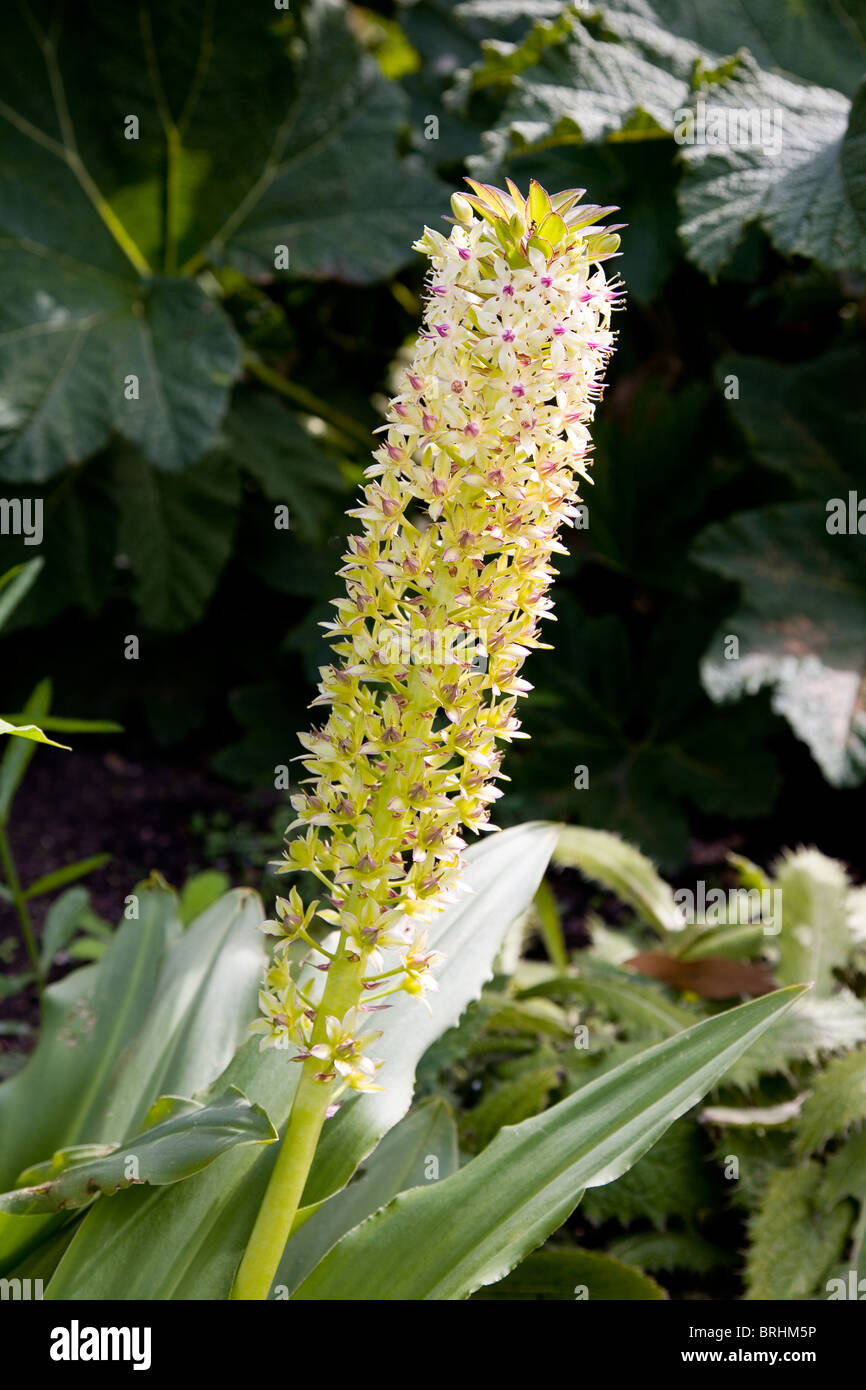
(446, 586)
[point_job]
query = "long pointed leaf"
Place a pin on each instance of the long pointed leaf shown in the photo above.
(446, 1241)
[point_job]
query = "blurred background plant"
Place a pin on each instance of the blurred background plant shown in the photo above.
(199, 321)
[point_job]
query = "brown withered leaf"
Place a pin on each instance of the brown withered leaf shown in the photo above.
(712, 977)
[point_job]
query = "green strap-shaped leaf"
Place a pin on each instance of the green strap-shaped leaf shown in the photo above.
(185, 1242)
(445, 1242)
(178, 534)
(179, 1138)
(609, 860)
(58, 878)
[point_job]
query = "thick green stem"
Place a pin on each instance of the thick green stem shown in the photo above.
(286, 1187)
(20, 903)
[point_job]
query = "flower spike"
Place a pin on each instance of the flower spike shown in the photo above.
(445, 590)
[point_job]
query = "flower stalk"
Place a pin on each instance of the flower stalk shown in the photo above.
(445, 590)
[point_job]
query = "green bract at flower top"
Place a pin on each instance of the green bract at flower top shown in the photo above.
(445, 589)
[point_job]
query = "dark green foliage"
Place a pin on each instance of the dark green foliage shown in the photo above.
(255, 277)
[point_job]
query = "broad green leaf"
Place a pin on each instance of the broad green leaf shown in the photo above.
(421, 1149)
(825, 44)
(637, 724)
(564, 86)
(179, 1138)
(620, 867)
(837, 1101)
(186, 1242)
(448, 36)
(574, 1275)
(794, 1243)
(15, 583)
(68, 380)
(637, 71)
(97, 225)
(319, 174)
(526, 1183)
(58, 878)
(802, 179)
(178, 535)
(801, 630)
